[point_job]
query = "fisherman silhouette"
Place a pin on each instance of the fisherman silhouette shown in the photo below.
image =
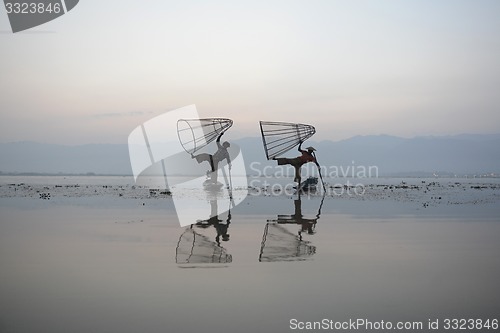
(306, 224)
(297, 162)
(279, 244)
(220, 226)
(214, 160)
(222, 229)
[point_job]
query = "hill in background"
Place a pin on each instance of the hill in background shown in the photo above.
(419, 156)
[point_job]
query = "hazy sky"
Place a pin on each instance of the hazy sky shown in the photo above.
(351, 67)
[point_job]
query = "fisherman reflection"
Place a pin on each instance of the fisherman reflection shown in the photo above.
(279, 244)
(306, 224)
(195, 247)
(213, 160)
(221, 226)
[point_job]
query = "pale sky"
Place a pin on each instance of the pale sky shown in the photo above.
(405, 68)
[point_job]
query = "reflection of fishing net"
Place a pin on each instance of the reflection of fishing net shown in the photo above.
(194, 134)
(195, 248)
(279, 137)
(279, 244)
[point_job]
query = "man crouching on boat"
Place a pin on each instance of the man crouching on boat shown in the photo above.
(297, 162)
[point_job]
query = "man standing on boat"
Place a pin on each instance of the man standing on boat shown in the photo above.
(297, 162)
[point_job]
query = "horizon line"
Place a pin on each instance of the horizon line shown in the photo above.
(252, 137)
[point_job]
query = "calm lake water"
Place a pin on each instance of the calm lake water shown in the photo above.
(112, 264)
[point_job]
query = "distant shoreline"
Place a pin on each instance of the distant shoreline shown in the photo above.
(49, 174)
(393, 175)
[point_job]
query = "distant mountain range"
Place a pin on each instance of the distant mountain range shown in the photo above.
(419, 156)
(32, 157)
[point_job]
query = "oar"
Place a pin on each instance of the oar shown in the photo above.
(319, 171)
(229, 184)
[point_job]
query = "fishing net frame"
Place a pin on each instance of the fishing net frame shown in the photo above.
(195, 248)
(279, 244)
(280, 137)
(195, 134)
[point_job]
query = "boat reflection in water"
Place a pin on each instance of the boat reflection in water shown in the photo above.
(279, 244)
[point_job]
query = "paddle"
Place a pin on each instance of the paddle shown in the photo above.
(319, 172)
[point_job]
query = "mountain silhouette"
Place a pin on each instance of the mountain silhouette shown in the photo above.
(459, 154)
